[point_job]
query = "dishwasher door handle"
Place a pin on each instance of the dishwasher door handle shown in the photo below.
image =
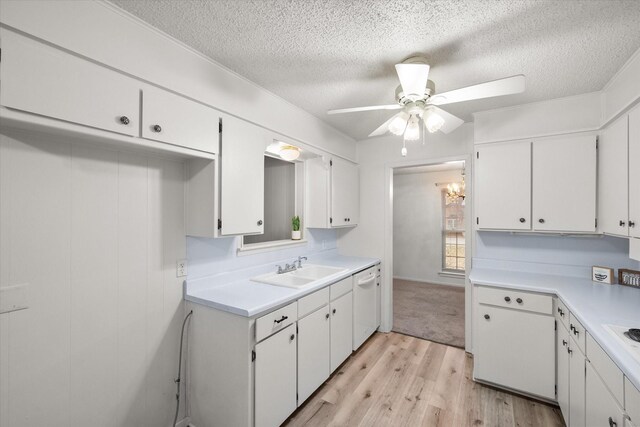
(364, 282)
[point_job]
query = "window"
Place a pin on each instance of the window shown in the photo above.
(280, 201)
(453, 242)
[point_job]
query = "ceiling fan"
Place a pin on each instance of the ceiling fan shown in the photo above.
(416, 97)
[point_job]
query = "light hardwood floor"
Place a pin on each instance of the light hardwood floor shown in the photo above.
(398, 380)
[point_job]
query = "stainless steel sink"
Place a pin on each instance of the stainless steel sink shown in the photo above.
(300, 277)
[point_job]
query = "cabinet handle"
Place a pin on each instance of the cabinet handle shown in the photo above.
(576, 331)
(519, 300)
(564, 342)
(522, 220)
(326, 316)
(334, 311)
(507, 299)
(622, 223)
(571, 328)
(569, 350)
(259, 222)
(124, 120)
(346, 219)
(157, 128)
(632, 224)
(612, 423)
(292, 337)
(486, 316)
(282, 319)
(541, 220)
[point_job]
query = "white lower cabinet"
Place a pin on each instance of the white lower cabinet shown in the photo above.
(562, 368)
(341, 329)
(313, 352)
(515, 348)
(576, 385)
(275, 378)
(601, 407)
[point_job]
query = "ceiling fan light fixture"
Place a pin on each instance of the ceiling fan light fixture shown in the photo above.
(433, 122)
(413, 129)
(399, 123)
(289, 153)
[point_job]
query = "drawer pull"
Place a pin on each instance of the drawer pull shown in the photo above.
(519, 300)
(612, 423)
(157, 128)
(576, 331)
(572, 328)
(569, 350)
(334, 311)
(507, 299)
(326, 316)
(282, 319)
(522, 220)
(564, 342)
(124, 120)
(486, 316)
(292, 337)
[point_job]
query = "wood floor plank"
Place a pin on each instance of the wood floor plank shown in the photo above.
(398, 380)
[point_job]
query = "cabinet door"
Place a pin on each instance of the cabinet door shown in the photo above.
(345, 197)
(601, 407)
(176, 120)
(275, 378)
(564, 184)
(516, 349)
(379, 298)
(503, 186)
(313, 352)
(562, 366)
(341, 329)
(613, 197)
(634, 172)
(576, 386)
(241, 177)
(40, 79)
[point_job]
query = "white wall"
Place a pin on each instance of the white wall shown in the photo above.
(111, 36)
(417, 226)
(96, 234)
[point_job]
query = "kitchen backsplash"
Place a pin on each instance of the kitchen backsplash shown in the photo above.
(208, 257)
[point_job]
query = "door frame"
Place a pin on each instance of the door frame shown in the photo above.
(387, 273)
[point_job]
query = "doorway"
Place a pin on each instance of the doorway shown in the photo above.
(430, 252)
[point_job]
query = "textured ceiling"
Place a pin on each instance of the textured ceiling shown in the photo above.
(324, 54)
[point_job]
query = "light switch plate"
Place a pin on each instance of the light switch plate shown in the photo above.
(181, 268)
(13, 298)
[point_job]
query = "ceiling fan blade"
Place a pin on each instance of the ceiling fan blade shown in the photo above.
(451, 122)
(369, 108)
(384, 128)
(413, 78)
(506, 86)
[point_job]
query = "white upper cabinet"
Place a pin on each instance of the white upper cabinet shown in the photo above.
(333, 193)
(634, 172)
(613, 200)
(176, 120)
(503, 186)
(39, 79)
(242, 147)
(564, 184)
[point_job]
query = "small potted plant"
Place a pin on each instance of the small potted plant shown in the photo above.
(295, 227)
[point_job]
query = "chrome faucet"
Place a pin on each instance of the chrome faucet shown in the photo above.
(287, 268)
(300, 258)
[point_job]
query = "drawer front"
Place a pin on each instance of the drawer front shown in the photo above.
(509, 298)
(562, 313)
(578, 333)
(340, 288)
(312, 302)
(276, 320)
(632, 401)
(604, 366)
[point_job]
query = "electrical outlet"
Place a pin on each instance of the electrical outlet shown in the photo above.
(181, 268)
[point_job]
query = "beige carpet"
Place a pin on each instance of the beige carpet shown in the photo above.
(428, 311)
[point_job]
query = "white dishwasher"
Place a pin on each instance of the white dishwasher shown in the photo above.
(365, 305)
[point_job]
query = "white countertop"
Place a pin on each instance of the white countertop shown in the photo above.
(593, 304)
(246, 298)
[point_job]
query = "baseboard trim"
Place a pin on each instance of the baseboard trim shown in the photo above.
(435, 282)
